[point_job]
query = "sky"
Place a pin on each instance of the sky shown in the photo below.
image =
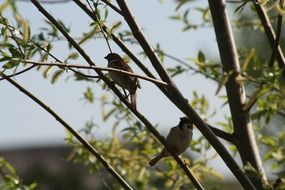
(24, 123)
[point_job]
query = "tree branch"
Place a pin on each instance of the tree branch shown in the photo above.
(269, 31)
(138, 34)
(94, 67)
(243, 130)
(85, 143)
(177, 98)
(276, 41)
(150, 127)
(20, 72)
(116, 9)
(224, 135)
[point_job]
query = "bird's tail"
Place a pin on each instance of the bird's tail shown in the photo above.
(153, 161)
(134, 100)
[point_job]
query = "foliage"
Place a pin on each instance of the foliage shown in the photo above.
(9, 178)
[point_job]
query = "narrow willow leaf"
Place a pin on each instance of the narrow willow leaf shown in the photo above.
(26, 32)
(87, 36)
(107, 115)
(47, 71)
(73, 55)
(222, 82)
(56, 75)
(201, 57)
(11, 64)
(115, 26)
(88, 95)
(248, 58)
(258, 93)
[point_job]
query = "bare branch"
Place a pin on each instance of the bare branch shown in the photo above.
(276, 41)
(20, 72)
(48, 1)
(177, 98)
(138, 34)
(99, 24)
(224, 135)
(269, 31)
(85, 143)
(94, 67)
(235, 92)
(116, 9)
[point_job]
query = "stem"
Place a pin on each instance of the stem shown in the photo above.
(85, 143)
(94, 67)
(276, 41)
(20, 72)
(177, 98)
(243, 130)
(269, 31)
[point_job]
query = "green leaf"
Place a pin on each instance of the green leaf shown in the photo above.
(175, 17)
(26, 32)
(222, 82)
(88, 95)
(88, 35)
(250, 54)
(115, 26)
(56, 75)
(47, 71)
(73, 55)
(107, 115)
(201, 57)
(11, 64)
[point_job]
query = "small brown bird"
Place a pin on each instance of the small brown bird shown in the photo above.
(127, 82)
(178, 139)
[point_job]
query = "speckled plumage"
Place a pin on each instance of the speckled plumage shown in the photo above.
(127, 82)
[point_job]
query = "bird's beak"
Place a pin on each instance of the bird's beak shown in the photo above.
(105, 57)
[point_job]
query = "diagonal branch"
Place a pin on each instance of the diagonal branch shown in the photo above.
(243, 130)
(224, 135)
(138, 34)
(276, 41)
(269, 31)
(20, 72)
(177, 98)
(85, 143)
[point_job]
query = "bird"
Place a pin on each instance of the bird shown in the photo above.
(178, 139)
(127, 82)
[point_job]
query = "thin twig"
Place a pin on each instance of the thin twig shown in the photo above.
(99, 24)
(48, 1)
(276, 41)
(116, 9)
(13, 36)
(93, 67)
(20, 72)
(269, 31)
(224, 135)
(85, 143)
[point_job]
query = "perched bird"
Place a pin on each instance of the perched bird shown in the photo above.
(127, 82)
(178, 139)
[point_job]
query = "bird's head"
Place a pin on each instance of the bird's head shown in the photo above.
(112, 56)
(185, 122)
